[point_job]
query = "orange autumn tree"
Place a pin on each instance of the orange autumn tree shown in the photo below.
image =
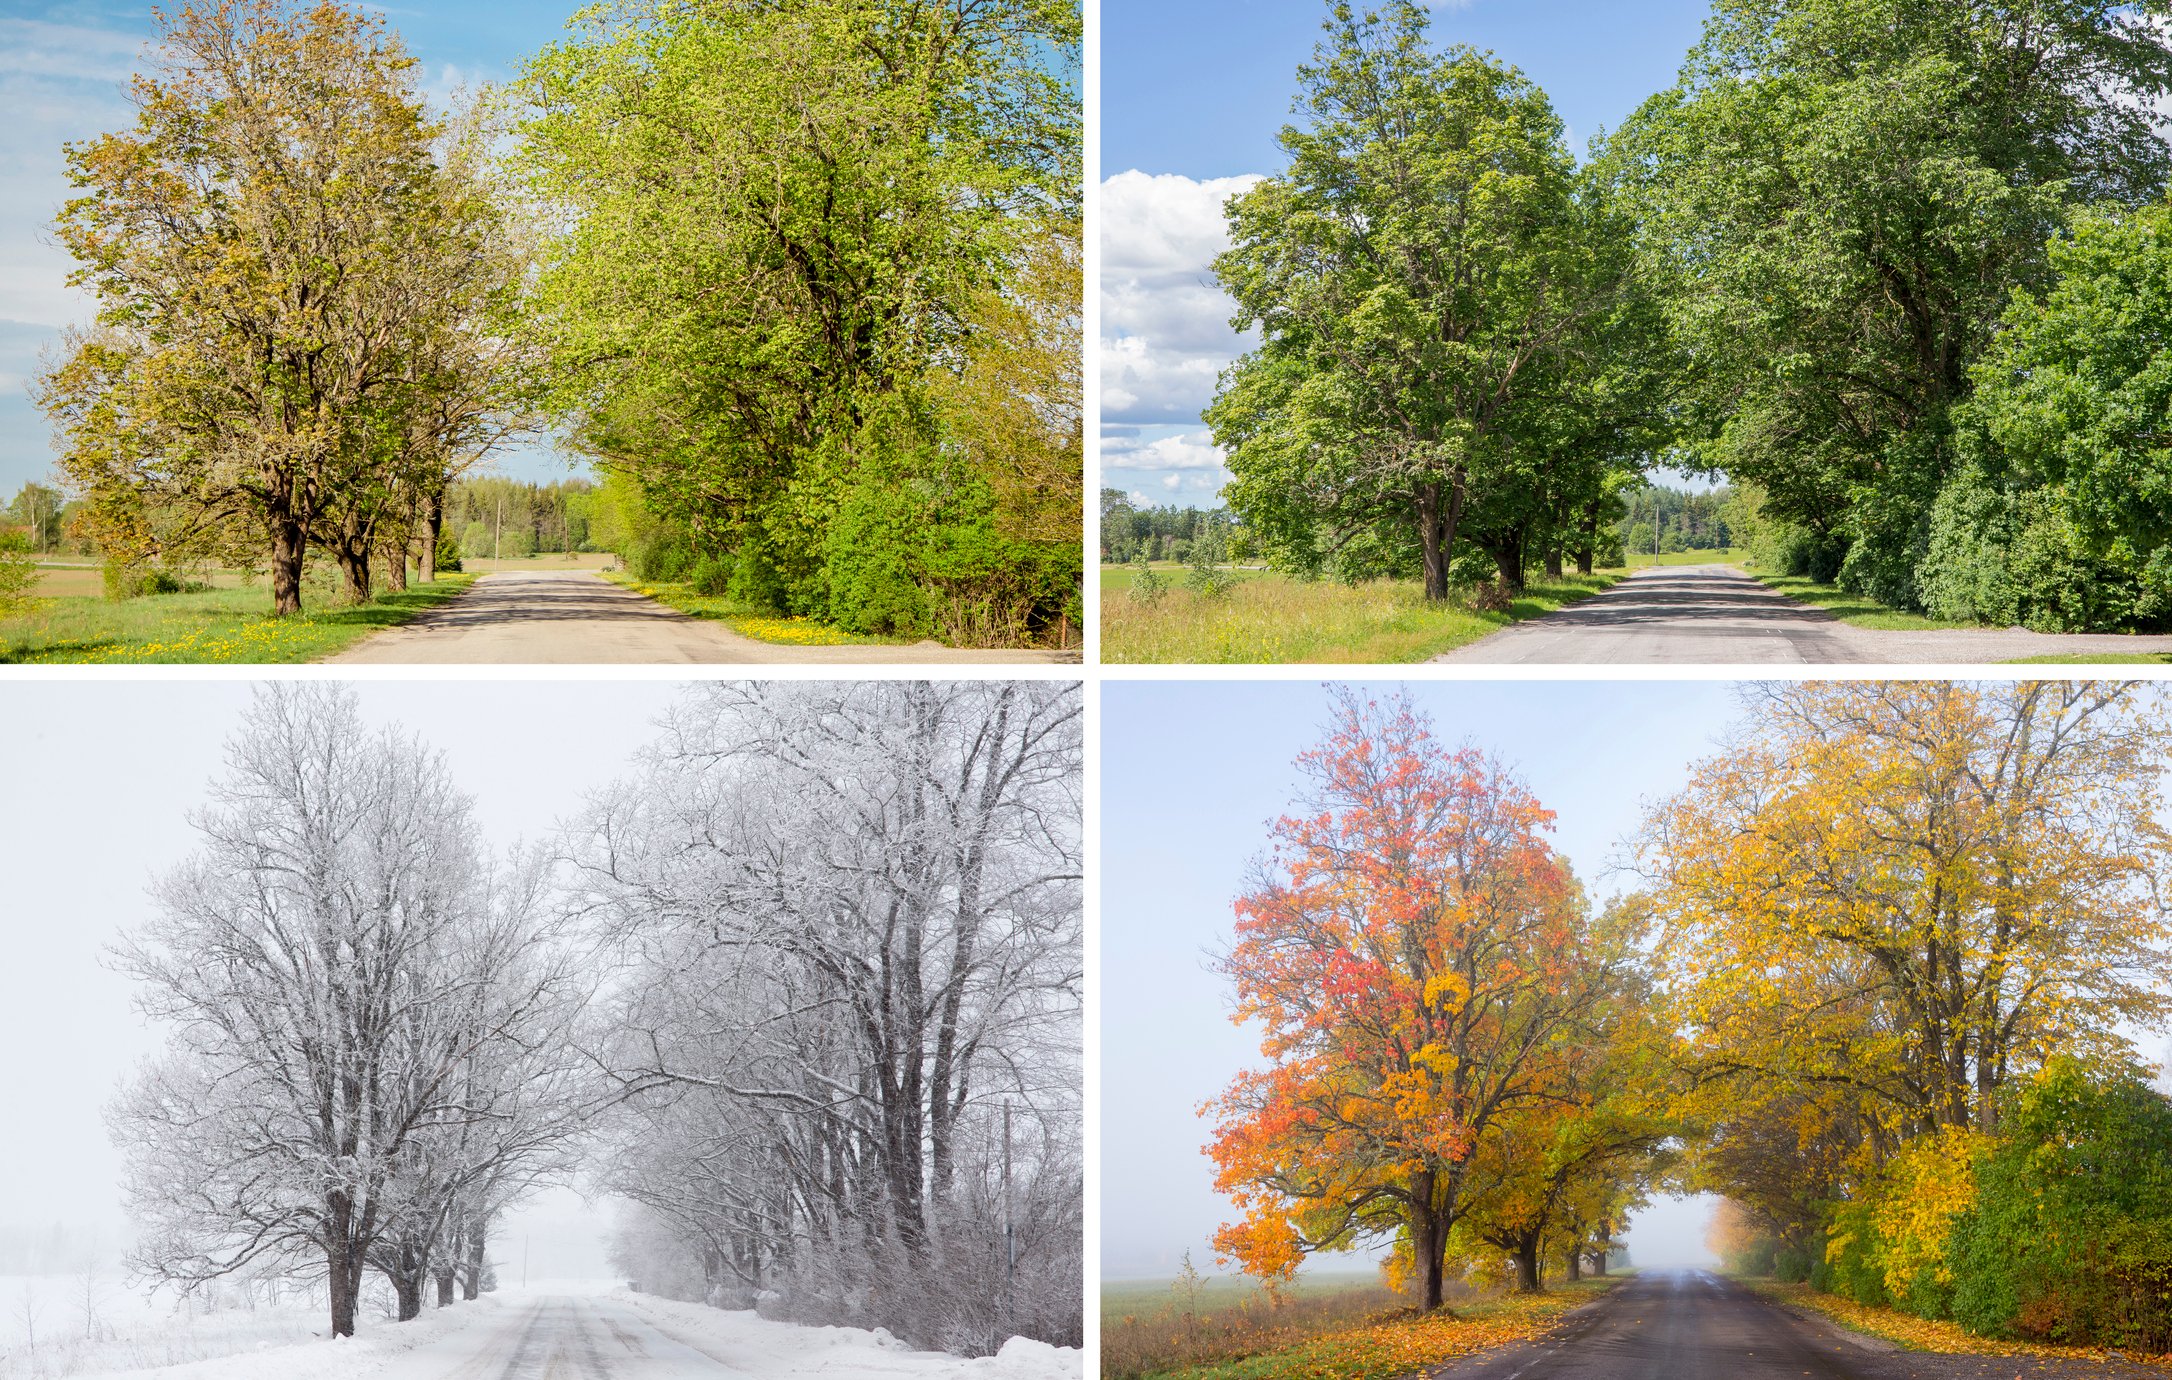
(1885, 899)
(1416, 952)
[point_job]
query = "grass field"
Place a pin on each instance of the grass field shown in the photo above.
(1269, 617)
(1348, 1327)
(230, 623)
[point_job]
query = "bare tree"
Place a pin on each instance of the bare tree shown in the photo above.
(850, 917)
(363, 1013)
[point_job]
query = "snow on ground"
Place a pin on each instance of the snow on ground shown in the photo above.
(144, 1337)
(760, 1347)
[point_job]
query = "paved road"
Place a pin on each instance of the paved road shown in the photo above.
(576, 616)
(1683, 614)
(1693, 1325)
(560, 1339)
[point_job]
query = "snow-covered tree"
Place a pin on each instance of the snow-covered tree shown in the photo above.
(850, 919)
(370, 1024)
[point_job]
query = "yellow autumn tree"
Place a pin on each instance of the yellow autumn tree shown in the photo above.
(1890, 897)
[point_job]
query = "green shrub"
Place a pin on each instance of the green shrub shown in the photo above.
(711, 576)
(18, 571)
(448, 553)
(754, 580)
(2070, 1239)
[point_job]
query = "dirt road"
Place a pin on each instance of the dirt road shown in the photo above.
(578, 617)
(1693, 1325)
(1706, 614)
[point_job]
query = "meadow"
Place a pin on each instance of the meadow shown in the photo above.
(1349, 1326)
(1265, 616)
(70, 620)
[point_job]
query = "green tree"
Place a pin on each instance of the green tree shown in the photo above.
(252, 244)
(1841, 194)
(1410, 271)
(39, 508)
(788, 221)
(2063, 517)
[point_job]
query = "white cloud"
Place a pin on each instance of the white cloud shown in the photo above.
(1165, 325)
(1192, 451)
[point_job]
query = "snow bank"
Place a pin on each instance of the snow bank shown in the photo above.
(374, 1346)
(787, 1351)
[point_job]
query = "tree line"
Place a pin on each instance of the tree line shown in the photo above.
(1878, 988)
(805, 993)
(835, 353)
(1893, 269)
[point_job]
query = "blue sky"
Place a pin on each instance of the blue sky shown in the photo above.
(1192, 773)
(1193, 94)
(64, 70)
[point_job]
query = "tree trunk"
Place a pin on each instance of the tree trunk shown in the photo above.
(1437, 533)
(1598, 1262)
(354, 564)
(1587, 529)
(1553, 560)
(344, 1280)
(478, 1234)
(444, 1276)
(1575, 1269)
(1507, 553)
(1428, 1243)
(396, 566)
(289, 546)
(407, 1287)
(1526, 1256)
(433, 521)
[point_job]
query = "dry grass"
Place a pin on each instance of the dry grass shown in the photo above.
(1354, 1330)
(1273, 618)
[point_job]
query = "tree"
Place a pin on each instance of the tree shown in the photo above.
(1908, 893)
(2060, 519)
(850, 920)
(1410, 272)
(817, 297)
(363, 1021)
(1415, 953)
(1839, 197)
(39, 508)
(282, 267)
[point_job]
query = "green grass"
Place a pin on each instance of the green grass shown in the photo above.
(1858, 609)
(2094, 659)
(1269, 617)
(219, 626)
(747, 620)
(1731, 555)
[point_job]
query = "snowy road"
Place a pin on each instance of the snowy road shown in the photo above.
(561, 1339)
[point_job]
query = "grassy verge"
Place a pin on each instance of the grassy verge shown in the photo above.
(1267, 617)
(1383, 1347)
(1858, 609)
(1905, 1330)
(2095, 659)
(745, 619)
(209, 627)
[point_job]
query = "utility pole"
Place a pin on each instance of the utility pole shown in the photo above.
(1010, 1232)
(497, 549)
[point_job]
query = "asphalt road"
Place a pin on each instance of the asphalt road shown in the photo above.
(1694, 1325)
(578, 617)
(560, 1339)
(1690, 614)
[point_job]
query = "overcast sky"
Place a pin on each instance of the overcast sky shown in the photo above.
(98, 778)
(64, 71)
(1192, 97)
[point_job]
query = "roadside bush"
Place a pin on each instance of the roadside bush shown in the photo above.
(658, 558)
(18, 572)
(711, 576)
(2003, 557)
(2070, 1239)
(448, 553)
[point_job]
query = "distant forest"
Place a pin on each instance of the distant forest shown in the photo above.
(1715, 520)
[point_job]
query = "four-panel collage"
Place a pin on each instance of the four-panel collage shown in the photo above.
(590, 791)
